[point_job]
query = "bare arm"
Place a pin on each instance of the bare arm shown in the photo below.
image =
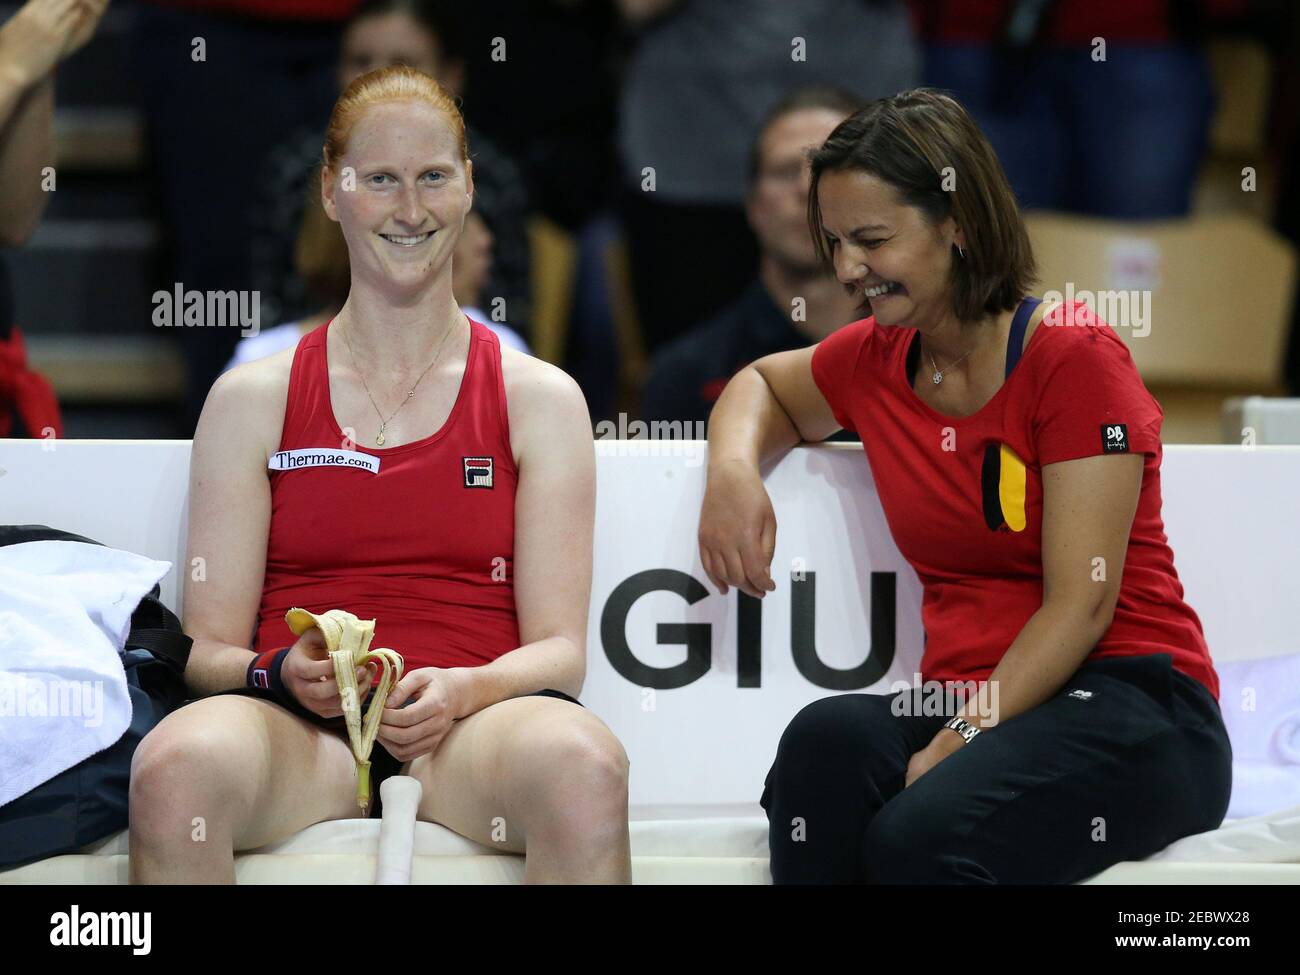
(1088, 509)
(13, 85)
(229, 518)
(32, 42)
(766, 409)
(769, 407)
(26, 148)
(555, 504)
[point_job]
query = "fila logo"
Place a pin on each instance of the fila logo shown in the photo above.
(478, 472)
(1114, 438)
(1081, 695)
(261, 678)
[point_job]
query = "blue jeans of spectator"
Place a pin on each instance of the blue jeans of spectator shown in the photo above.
(1127, 757)
(1120, 138)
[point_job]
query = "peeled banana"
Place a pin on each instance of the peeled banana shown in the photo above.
(348, 641)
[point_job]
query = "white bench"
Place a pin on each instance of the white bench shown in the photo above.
(696, 820)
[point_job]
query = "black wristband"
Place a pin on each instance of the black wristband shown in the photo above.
(263, 679)
(258, 675)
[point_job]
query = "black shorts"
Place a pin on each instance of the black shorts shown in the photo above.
(382, 762)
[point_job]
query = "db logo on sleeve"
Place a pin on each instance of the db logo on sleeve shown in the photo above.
(478, 472)
(1114, 438)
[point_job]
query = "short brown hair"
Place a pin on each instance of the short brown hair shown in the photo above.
(813, 98)
(907, 141)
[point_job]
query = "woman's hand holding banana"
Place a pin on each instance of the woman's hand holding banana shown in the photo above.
(421, 710)
(346, 641)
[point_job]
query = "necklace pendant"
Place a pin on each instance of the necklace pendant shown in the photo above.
(937, 378)
(380, 440)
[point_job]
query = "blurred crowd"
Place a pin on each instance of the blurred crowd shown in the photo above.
(640, 172)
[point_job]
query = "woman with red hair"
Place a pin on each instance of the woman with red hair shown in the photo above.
(440, 483)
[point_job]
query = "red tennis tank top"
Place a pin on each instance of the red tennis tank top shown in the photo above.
(419, 537)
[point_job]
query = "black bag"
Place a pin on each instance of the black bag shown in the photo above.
(88, 802)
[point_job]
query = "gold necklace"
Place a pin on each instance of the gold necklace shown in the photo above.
(379, 440)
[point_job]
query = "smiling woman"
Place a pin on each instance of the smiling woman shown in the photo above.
(937, 188)
(1048, 580)
(450, 497)
(397, 171)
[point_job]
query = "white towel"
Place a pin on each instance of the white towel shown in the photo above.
(1260, 701)
(65, 611)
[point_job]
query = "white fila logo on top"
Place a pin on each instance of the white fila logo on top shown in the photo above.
(478, 472)
(1081, 695)
(292, 460)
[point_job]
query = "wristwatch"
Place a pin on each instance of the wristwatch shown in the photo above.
(963, 727)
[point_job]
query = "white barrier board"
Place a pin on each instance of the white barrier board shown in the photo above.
(699, 686)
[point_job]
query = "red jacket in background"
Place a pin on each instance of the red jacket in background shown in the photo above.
(27, 401)
(313, 10)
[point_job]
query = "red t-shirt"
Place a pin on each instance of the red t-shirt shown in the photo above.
(969, 519)
(419, 537)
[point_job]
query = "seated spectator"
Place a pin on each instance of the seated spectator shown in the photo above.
(792, 302)
(423, 35)
(321, 261)
(698, 81)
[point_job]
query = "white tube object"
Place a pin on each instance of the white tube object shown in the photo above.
(401, 798)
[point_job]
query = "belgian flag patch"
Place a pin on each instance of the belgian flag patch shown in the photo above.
(1003, 488)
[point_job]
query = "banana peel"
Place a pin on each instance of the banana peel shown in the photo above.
(347, 639)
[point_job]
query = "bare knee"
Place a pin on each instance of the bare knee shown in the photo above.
(581, 797)
(181, 784)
